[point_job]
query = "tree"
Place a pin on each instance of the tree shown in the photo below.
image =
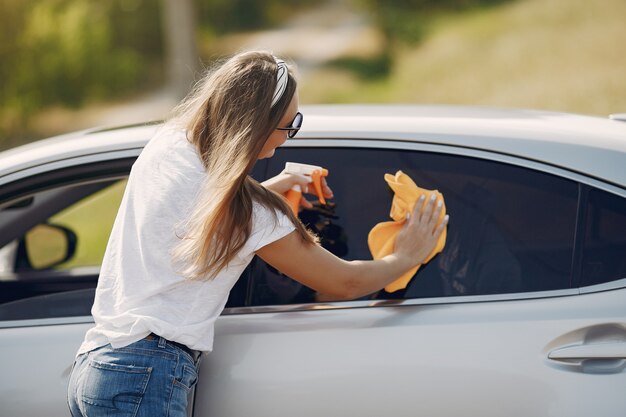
(181, 56)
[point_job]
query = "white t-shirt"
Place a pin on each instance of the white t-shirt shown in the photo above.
(138, 290)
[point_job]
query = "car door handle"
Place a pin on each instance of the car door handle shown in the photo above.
(592, 351)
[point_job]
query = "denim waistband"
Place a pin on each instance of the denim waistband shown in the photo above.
(193, 353)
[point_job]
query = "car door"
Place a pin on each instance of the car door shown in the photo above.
(55, 220)
(522, 313)
(54, 223)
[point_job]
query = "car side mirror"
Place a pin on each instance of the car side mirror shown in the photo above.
(45, 246)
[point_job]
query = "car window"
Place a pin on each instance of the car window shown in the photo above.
(604, 256)
(91, 219)
(51, 268)
(53, 245)
(511, 228)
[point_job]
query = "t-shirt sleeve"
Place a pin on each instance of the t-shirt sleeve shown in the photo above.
(268, 225)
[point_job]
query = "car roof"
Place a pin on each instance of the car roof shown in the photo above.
(593, 146)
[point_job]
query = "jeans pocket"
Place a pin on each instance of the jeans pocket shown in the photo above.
(114, 388)
(188, 378)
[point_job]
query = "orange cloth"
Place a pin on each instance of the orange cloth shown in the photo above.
(382, 237)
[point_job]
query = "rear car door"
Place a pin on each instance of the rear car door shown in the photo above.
(522, 313)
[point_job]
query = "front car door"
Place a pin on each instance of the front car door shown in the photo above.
(48, 212)
(55, 220)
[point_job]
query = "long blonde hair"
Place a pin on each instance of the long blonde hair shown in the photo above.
(228, 118)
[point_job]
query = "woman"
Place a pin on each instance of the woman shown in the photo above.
(190, 221)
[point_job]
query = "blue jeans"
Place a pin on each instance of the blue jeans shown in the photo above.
(148, 378)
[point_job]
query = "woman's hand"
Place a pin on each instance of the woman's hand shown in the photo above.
(420, 233)
(283, 182)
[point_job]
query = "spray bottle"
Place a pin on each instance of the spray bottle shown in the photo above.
(294, 195)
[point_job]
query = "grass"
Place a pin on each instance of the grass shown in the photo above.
(91, 219)
(548, 54)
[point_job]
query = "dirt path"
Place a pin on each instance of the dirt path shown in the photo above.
(329, 32)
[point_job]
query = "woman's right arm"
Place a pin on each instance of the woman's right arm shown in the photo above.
(315, 267)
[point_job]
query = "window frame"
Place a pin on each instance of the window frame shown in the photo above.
(62, 172)
(584, 184)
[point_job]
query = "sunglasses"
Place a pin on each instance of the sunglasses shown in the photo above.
(296, 124)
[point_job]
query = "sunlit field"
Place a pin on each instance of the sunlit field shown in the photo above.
(562, 55)
(91, 219)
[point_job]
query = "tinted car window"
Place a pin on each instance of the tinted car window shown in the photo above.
(511, 228)
(604, 256)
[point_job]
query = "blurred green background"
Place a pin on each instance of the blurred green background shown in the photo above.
(73, 64)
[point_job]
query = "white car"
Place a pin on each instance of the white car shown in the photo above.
(523, 313)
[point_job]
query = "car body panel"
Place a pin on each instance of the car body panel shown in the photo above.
(334, 361)
(36, 365)
(471, 359)
(560, 139)
(472, 355)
